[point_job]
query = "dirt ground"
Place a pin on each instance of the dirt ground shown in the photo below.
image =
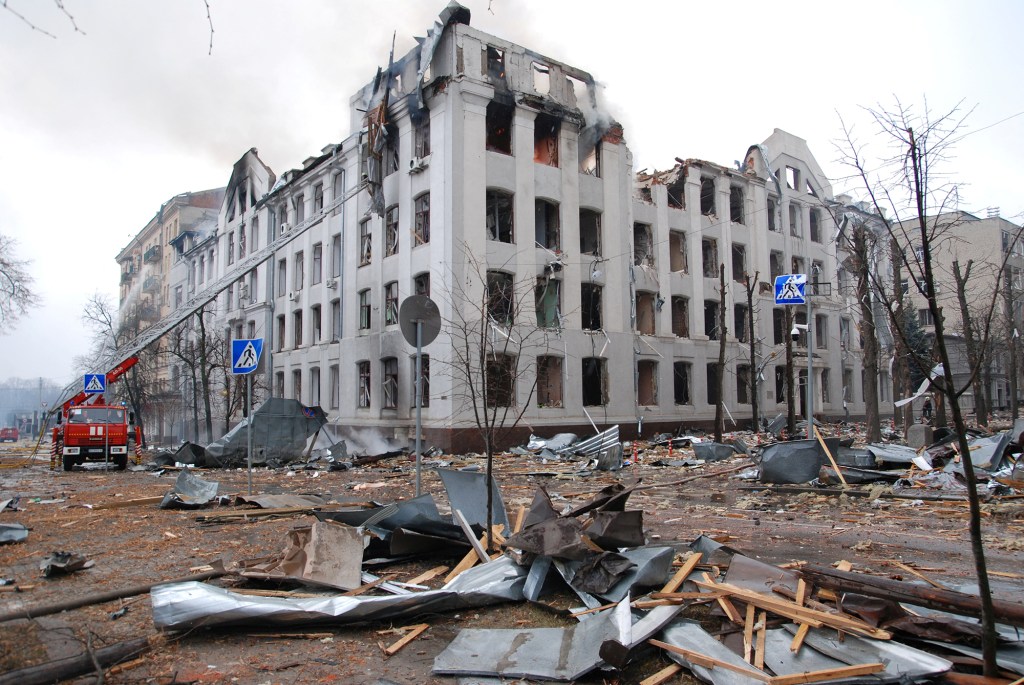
(143, 544)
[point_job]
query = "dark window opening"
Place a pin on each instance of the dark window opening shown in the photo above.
(363, 369)
(739, 263)
(421, 228)
(389, 386)
(547, 299)
(677, 193)
(677, 252)
(421, 284)
(707, 196)
(500, 379)
(549, 381)
(590, 232)
(714, 390)
(643, 245)
(424, 381)
(794, 220)
(736, 204)
(780, 384)
(499, 216)
(739, 322)
(681, 382)
(545, 139)
(590, 306)
(500, 297)
(499, 128)
(590, 154)
(681, 316)
(421, 137)
(318, 197)
(645, 313)
(772, 226)
(814, 225)
(743, 384)
(547, 229)
(365, 243)
(391, 232)
(775, 261)
(364, 310)
(495, 63)
(595, 383)
(647, 383)
(711, 319)
(709, 257)
(391, 303)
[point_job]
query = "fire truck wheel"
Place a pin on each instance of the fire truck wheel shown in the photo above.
(121, 461)
(69, 462)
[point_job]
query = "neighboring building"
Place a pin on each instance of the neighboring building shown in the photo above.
(146, 294)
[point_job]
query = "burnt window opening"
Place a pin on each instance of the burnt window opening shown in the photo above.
(711, 319)
(549, 381)
(643, 245)
(739, 322)
(590, 156)
(780, 384)
(390, 160)
(541, 78)
(714, 390)
(500, 298)
(772, 225)
(494, 63)
(775, 261)
(743, 384)
(707, 196)
(499, 127)
(677, 260)
(389, 386)
(318, 197)
(646, 195)
(590, 232)
(421, 284)
(798, 265)
(681, 316)
(794, 219)
(421, 224)
(500, 378)
(391, 231)
(595, 382)
(677, 193)
(546, 225)
(499, 216)
(364, 309)
(548, 302)
(545, 139)
(297, 328)
(736, 204)
(645, 313)
(391, 303)
(421, 136)
(709, 257)
(792, 178)
(647, 383)
(424, 381)
(681, 374)
(363, 371)
(814, 225)
(739, 262)
(590, 307)
(365, 243)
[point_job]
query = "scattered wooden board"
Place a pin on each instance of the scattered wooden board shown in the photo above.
(412, 634)
(680, 575)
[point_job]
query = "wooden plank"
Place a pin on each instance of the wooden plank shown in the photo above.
(748, 635)
(520, 517)
(728, 607)
(468, 562)
(414, 632)
(801, 592)
(710, 662)
(680, 575)
(826, 674)
(762, 634)
(828, 453)
(478, 545)
(798, 639)
(124, 503)
(913, 571)
(427, 575)
(367, 587)
(662, 676)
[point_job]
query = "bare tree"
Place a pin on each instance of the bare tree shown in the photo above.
(749, 285)
(911, 190)
(16, 284)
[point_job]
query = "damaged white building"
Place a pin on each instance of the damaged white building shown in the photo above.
(486, 176)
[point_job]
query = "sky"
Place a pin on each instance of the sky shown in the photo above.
(99, 126)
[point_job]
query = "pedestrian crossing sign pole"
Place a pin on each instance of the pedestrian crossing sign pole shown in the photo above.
(245, 357)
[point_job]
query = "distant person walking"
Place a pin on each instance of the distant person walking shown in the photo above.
(926, 409)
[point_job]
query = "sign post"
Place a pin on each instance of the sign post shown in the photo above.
(792, 289)
(420, 321)
(245, 357)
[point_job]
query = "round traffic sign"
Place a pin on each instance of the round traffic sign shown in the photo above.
(419, 309)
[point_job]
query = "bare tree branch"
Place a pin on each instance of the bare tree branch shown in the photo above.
(16, 284)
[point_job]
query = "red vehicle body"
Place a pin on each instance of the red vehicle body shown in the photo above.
(89, 429)
(8, 434)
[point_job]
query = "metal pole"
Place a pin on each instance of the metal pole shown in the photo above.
(248, 429)
(810, 371)
(419, 401)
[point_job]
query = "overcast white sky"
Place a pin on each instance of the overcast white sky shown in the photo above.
(97, 130)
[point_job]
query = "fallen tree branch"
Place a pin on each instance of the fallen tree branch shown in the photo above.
(88, 662)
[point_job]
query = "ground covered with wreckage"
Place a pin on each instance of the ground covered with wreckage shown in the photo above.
(113, 522)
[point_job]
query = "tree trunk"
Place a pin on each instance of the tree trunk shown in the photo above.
(970, 342)
(868, 334)
(755, 401)
(204, 373)
(1011, 337)
(720, 368)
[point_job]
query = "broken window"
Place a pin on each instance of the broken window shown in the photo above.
(794, 219)
(645, 313)
(810, 190)
(545, 139)
(501, 380)
(297, 328)
(798, 265)
(677, 252)
(280, 332)
(681, 372)
(500, 297)
(389, 386)
(391, 303)
(711, 319)
(590, 232)
(499, 127)
(365, 243)
(547, 299)
(739, 322)
(390, 160)
(549, 381)
(677, 192)
(548, 233)
(780, 384)
(494, 63)
(736, 204)
(847, 386)
(300, 270)
(541, 78)
(421, 284)
(363, 371)
(242, 236)
(792, 178)
(814, 218)
(595, 382)
(318, 198)
(318, 261)
(297, 385)
(279, 384)
(643, 245)
(647, 383)
(590, 154)
(499, 216)
(775, 261)
(707, 196)
(335, 320)
(713, 390)
(590, 307)
(772, 225)
(315, 323)
(681, 316)
(334, 378)
(826, 381)
(231, 247)
(424, 381)
(739, 262)
(391, 231)
(743, 384)
(709, 257)
(364, 309)
(421, 229)
(282, 281)
(421, 137)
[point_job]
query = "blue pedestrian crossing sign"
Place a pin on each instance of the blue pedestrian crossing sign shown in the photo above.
(245, 355)
(791, 289)
(95, 383)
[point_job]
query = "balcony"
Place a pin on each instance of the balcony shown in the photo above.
(151, 284)
(127, 276)
(152, 255)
